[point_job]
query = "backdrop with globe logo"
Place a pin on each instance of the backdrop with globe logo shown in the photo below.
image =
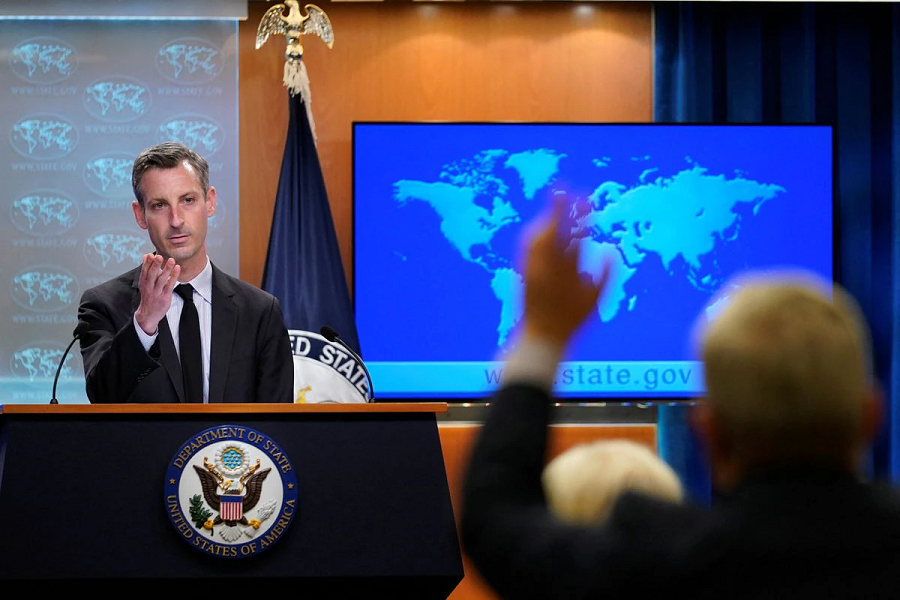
(81, 99)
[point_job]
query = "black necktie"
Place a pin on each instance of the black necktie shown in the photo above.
(189, 346)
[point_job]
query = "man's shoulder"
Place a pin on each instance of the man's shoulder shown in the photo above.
(117, 285)
(241, 289)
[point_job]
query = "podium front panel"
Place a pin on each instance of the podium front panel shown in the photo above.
(84, 500)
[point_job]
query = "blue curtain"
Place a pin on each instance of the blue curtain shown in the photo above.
(726, 62)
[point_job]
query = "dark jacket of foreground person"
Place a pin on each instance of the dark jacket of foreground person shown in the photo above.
(804, 532)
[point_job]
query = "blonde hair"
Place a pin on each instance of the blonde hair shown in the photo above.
(583, 483)
(788, 370)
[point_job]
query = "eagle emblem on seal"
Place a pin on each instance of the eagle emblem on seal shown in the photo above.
(232, 488)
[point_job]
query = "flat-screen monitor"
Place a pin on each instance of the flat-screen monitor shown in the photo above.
(440, 210)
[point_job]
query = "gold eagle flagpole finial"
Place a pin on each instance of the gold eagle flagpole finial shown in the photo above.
(294, 25)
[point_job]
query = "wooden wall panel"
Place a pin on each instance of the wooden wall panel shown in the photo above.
(456, 444)
(534, 61)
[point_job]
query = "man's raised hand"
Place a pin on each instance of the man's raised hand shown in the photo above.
(156, 283)
(558, 295)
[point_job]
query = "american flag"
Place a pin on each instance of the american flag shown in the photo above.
(231, 507)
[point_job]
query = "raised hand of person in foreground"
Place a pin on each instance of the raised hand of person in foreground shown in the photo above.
(558, 295)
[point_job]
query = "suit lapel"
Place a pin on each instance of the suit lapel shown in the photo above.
(168, 356)
(224, 330)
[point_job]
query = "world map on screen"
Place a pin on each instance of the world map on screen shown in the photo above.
(442, 211)
(680, 218)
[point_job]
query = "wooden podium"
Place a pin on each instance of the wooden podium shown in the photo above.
(82, 495)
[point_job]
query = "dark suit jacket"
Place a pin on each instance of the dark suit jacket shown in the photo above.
(787, 533)
(250, 352)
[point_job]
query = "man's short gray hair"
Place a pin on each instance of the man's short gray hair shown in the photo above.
(788, 370)
(167, 155)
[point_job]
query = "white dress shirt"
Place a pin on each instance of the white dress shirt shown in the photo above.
(203, 301)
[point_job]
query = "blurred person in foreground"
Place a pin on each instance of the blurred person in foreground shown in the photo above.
(790, 411)
(583, 483)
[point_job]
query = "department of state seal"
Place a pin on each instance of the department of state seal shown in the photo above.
(231, 491)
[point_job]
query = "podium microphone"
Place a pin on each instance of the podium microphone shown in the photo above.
(76, 335)
(332, 336)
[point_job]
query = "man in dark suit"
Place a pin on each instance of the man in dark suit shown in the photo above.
(213, 338)
(789, 413)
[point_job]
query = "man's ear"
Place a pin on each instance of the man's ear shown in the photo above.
(708, 427)
(211, 202)
(139, 215)
(703, 423)
(710, 430)
(873, 414)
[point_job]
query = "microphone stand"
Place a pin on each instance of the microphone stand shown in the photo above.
(62, 361)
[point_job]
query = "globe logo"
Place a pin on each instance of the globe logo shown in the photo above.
(43, 213)
(109, 174)
(44, 288)
(44, 137)
(115, 250)
(189, 61)
(40, 359)
(197, 132)
(117, 99)
(43, 60)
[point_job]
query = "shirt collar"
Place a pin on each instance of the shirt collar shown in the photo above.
(203, 282)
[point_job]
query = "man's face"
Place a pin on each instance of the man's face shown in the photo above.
(175, 214)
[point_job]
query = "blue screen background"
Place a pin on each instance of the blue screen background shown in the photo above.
(422, 297)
